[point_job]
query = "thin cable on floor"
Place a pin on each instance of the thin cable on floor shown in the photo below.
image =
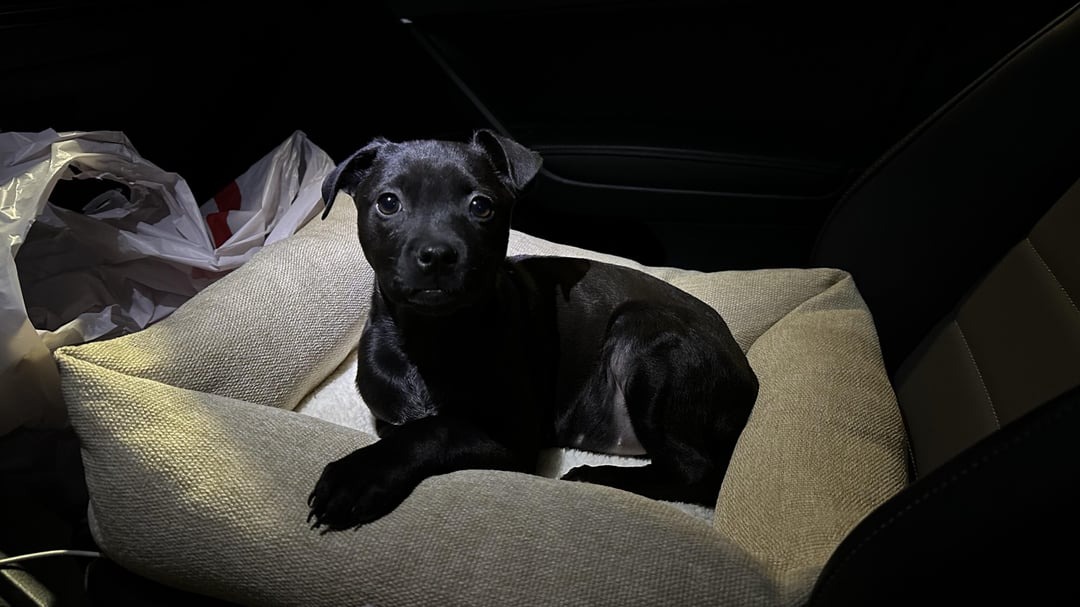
(9, 560)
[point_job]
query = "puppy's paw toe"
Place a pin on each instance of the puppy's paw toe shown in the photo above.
(351, 492)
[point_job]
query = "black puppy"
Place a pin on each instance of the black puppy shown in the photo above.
(473, 360)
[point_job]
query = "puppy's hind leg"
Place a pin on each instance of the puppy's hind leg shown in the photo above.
(688, 390)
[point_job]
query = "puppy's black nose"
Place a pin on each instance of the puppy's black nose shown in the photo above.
(433, 257)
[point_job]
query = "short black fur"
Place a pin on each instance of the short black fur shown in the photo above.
(471, 359)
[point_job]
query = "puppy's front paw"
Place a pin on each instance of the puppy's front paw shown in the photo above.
(356, 489)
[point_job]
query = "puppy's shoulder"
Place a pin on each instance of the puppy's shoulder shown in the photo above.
(586, 277)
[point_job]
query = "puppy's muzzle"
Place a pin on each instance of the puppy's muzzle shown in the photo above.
(432, 274)
(433, 258)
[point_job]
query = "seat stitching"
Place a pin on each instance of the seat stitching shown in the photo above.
(971, 356)
(1051, 271)
(914, 461)
(941, 486)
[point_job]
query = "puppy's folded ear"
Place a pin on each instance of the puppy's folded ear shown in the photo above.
(347, 174)
(515, 163)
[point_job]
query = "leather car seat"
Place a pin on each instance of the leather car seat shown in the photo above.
(964, 239)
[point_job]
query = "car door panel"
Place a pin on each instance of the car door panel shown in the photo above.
(704, 134)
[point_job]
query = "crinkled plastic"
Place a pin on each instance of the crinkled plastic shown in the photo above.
(126, 257)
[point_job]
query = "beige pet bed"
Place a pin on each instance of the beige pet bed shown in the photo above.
(199, 464)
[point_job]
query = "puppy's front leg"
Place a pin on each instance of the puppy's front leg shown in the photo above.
(370, 482)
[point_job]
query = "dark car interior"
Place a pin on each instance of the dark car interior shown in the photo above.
(913, 145)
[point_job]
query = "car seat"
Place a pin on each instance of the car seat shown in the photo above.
(963, 240)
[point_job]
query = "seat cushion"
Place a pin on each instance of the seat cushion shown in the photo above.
(199, 470)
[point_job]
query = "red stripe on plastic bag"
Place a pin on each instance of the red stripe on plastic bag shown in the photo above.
(228, 199)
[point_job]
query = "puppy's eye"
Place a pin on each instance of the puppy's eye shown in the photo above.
(388, 204)
(481, 207)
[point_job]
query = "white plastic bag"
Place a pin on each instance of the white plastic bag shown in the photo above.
(127, 257)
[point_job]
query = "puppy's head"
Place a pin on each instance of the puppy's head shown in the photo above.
(434, 216)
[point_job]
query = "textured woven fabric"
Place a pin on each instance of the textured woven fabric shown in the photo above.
(269, 332)
(196, 483)
(825, 442)
(208, 494)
